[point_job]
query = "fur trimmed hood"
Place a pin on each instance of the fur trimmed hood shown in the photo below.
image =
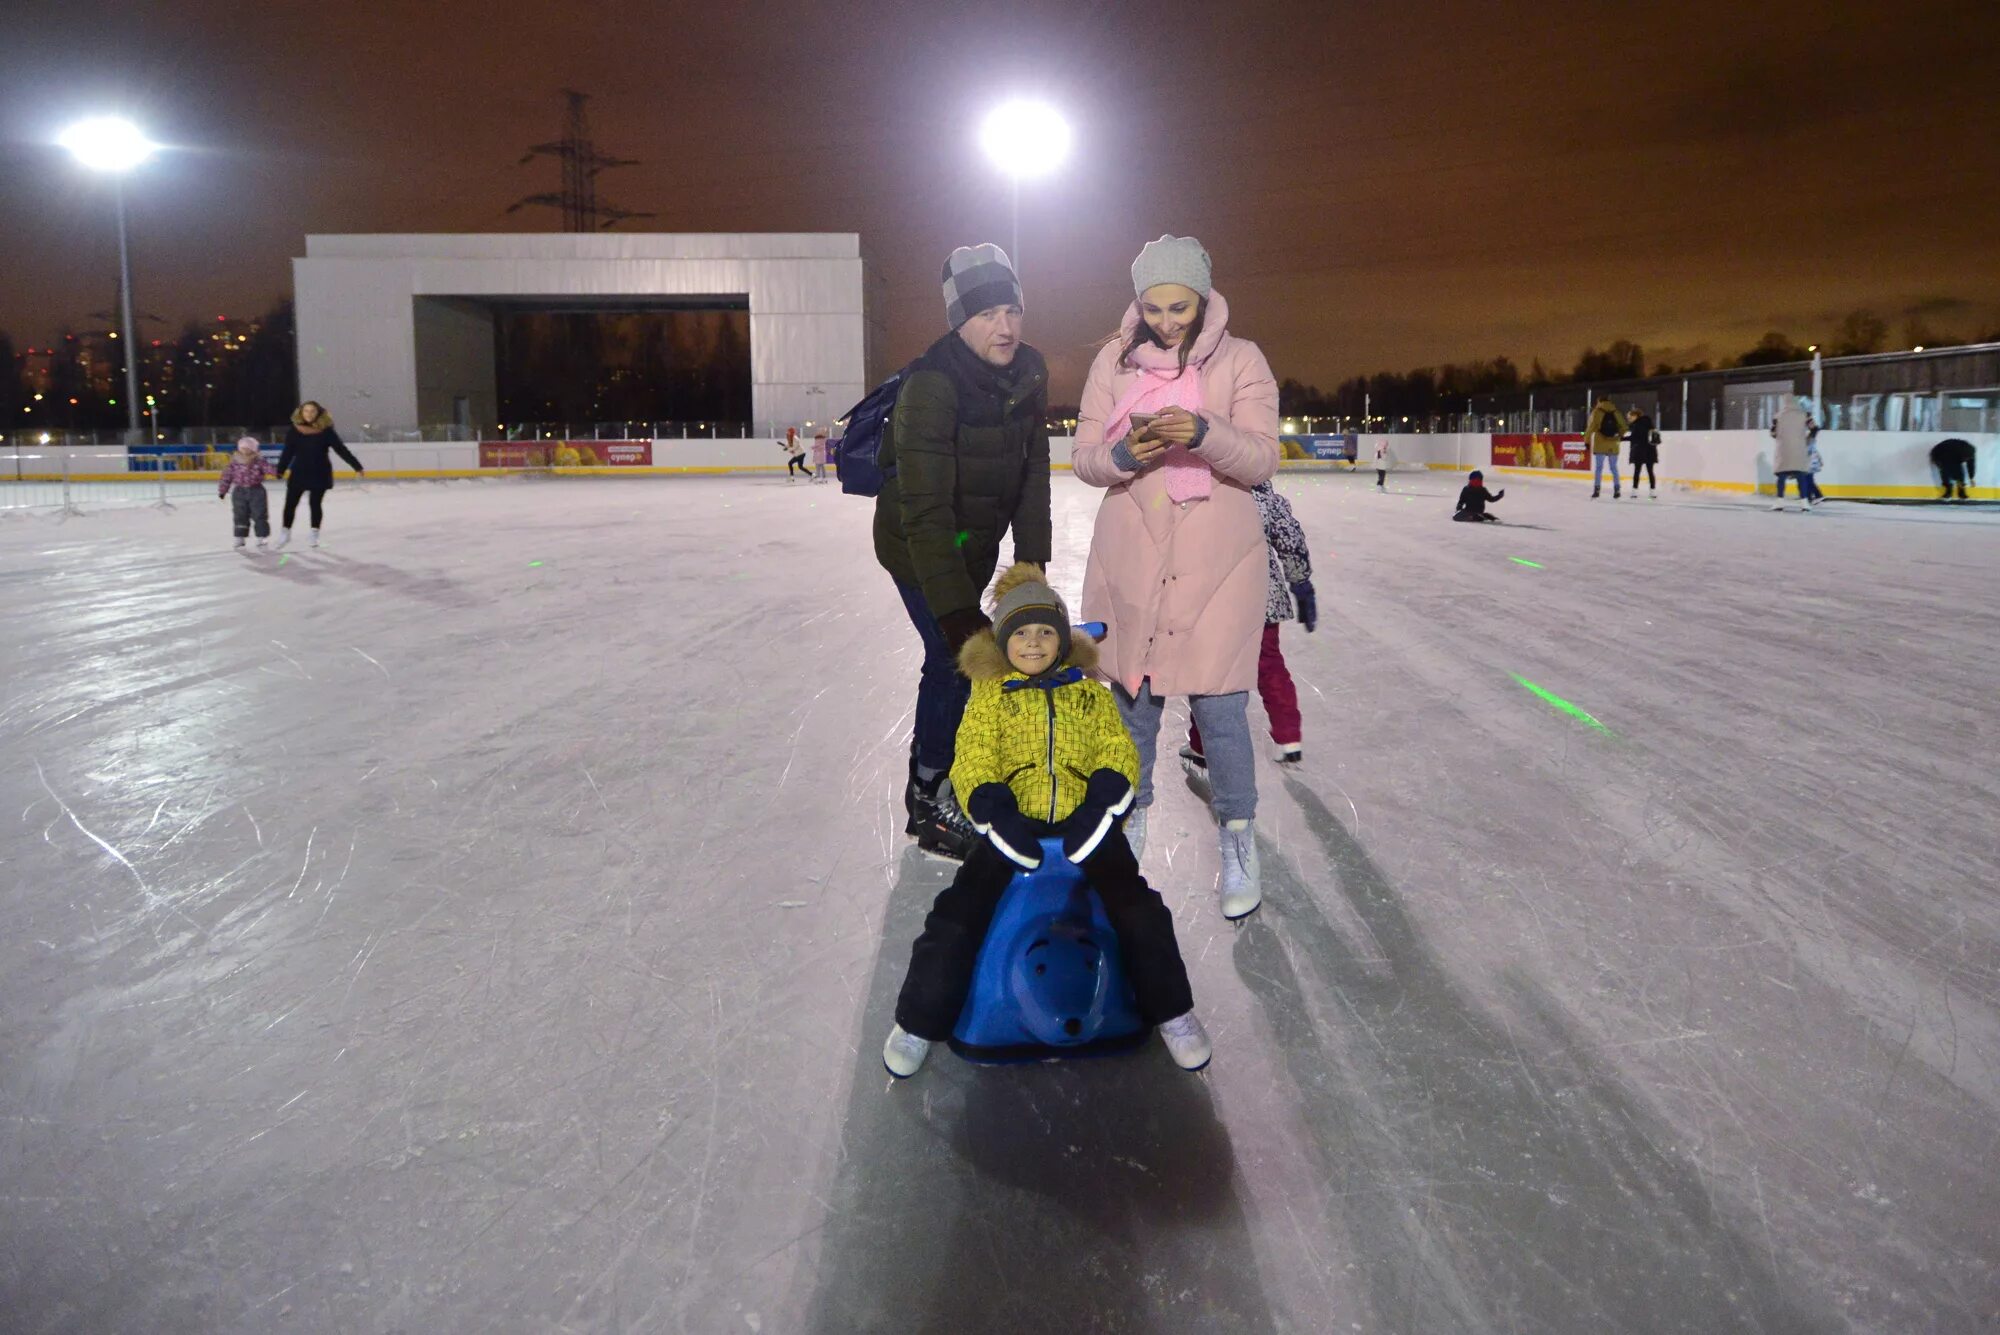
(321, 423)
(982, 658)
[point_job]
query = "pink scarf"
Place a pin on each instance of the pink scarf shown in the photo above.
(1162, 384)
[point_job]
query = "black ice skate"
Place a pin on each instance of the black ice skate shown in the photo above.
(942, 828)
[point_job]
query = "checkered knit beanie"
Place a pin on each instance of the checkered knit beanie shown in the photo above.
(977, 278)
(1025, 599)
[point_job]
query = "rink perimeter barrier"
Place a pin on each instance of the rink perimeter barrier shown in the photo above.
(1860, 465)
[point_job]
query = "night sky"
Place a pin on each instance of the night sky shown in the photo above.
(1381, 185)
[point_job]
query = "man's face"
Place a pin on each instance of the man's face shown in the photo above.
(994, 335)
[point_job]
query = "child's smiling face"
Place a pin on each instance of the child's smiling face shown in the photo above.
(1032, 648)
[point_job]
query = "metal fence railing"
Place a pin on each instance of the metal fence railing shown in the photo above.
(69, 480)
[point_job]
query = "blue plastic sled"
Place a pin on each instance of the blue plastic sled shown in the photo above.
(1049, 981)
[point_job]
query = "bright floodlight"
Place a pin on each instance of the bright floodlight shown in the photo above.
(107, 144)
(1025, 138)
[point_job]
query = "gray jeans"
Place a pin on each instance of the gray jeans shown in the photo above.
(1224, 721)
(246, 504)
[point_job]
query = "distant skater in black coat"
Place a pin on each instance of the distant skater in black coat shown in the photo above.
(1645, 438)
(1473, 498)
(306, 469)
(1957, 463)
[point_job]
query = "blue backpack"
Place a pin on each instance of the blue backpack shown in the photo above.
(854, 454)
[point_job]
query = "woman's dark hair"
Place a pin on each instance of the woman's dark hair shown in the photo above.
(1144, 334)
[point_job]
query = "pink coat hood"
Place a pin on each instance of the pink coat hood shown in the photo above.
(1180, 587)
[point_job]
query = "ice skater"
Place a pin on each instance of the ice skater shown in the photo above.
(306, 469)
(1179, 421)
(1792, 457)
(965, 459)
(819, 457)
(1645, 438)
(795, 456)
(1473, 498)
(1288, 593)
(1040, 737)
(245, 474)
(1957, 463)
(1381, 463)
(1606, 426)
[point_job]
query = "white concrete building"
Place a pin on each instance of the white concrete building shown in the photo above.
(397, 331)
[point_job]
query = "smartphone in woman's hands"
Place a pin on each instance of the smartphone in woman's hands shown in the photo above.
(1140, 423)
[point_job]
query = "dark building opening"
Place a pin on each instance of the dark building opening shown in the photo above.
(676, 363)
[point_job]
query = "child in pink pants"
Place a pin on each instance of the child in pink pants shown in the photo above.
(1290, 587)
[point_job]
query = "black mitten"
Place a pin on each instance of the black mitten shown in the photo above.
(996, 815)
(958, 627)
(1106, 799)
(1308, 602)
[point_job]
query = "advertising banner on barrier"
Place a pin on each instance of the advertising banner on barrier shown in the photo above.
(565, 453)
(1332, 449)
(1544, 449)
(614, 453)
(515, 453)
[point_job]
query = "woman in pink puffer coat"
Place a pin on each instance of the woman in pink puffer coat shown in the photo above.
(1180, 420)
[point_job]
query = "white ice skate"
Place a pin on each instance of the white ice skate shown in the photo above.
(1187, 1041)
(263, 543)
(904, 1053)
(1240, 885)
(284, 539)
(1288, 753)
(315, 537)
(1135, 832)
(239, 544)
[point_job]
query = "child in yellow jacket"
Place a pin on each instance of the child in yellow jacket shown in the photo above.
(1042, 752)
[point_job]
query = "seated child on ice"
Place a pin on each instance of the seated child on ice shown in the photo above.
(1042, 751)
(1473, 498)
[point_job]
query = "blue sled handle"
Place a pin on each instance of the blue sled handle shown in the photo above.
(1096, 630)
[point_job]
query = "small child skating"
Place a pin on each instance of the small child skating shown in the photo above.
(245, 473)
(1473, 498)
(1381, 463)
(1289, 587)
(1040, 739)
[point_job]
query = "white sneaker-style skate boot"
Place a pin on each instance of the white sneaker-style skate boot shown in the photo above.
(241, 541)
(1187, 1041)
(1240, 886)
(904, 1053)
(284, 539)
(315, 537)
(1135, 832)
(1288, 753)
(263, 543)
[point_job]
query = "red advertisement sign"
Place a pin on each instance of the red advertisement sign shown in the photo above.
(515, 453)
(565, 453)
(1543, 449)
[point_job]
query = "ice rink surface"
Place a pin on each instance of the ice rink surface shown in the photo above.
(490, 922)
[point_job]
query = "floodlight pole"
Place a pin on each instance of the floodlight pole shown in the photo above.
(125, 312)
(1014, 185)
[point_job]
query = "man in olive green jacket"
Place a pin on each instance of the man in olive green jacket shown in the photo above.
(964, 458)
